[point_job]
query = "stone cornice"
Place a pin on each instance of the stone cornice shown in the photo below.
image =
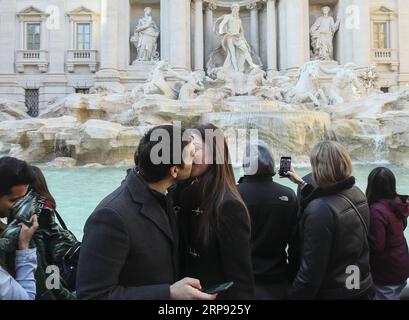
(32, 12)
(384, 12)
(212, 4)
(82, 12)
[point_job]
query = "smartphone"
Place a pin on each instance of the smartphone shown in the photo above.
(285, 166)
(219, 288)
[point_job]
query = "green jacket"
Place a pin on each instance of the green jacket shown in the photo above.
(51, 241)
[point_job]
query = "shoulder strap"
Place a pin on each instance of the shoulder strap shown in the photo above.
(60, 220)
(356, 210)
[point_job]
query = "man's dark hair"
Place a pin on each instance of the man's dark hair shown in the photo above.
(153, 172)
(13, 172)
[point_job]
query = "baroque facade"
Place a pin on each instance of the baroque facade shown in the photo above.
(52, 48)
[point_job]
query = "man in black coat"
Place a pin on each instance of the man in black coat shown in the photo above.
(273, 211)
(130, 244)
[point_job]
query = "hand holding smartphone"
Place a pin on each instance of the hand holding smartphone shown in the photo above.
(285, 166)
(219, 288)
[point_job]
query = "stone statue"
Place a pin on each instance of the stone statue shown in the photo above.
(345, 86)
(322, 35)
(145, 38)
(156, 84)
(193, 83)
(307, 88)
(238, 51)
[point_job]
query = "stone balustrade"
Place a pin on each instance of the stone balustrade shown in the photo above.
(386, 56)
(82, 58)
(37, 58)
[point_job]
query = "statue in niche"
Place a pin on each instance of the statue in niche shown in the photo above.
(322, 35)
(234, 44)
(145, 38)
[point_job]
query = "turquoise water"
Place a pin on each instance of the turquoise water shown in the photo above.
(79, 190)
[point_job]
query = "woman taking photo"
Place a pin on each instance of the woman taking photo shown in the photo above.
(215, 225)
(333, 230)
(389, 250)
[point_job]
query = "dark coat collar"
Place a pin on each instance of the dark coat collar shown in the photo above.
(150, 207)
(324, 192)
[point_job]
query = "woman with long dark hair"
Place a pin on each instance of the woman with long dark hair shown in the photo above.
(39, 186)
(388, 219)
(215, 224)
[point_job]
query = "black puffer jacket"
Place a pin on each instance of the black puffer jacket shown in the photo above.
(332, 237)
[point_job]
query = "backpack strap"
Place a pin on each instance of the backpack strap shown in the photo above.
(356, 210)
(60, 220)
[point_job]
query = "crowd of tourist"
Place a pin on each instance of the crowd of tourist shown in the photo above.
(180, 223)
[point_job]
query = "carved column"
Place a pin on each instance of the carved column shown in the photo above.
(254, 7)
(199, 41)
(124, 34)
(109, 36)
(297, 33)
(354, 32)
(210, 6)
(271, 33)
(179, 24)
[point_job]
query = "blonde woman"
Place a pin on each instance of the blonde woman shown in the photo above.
(333, 230)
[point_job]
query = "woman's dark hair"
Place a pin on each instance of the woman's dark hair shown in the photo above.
(381, 185)
(39, 185)
(13, 172)
(217, 181)
(149, 169)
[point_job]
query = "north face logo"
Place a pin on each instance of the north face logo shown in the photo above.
(283, 198)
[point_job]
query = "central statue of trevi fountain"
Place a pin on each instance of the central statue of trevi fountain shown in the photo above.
(292, 111)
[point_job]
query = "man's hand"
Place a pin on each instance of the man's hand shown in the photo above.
(27, 233)
(189, 289)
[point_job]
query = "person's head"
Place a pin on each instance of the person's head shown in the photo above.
(15, 178)
(330, 163)
(148, 11)
(381, 185)
(326, 10)
(212, 166)
(258, 160)
(39, 185)
(165, 152)
(235, 9)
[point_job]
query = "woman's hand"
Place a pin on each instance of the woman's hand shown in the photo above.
(26, 233)
(294, 177)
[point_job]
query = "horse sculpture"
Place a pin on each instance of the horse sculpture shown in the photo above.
(307, 88)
